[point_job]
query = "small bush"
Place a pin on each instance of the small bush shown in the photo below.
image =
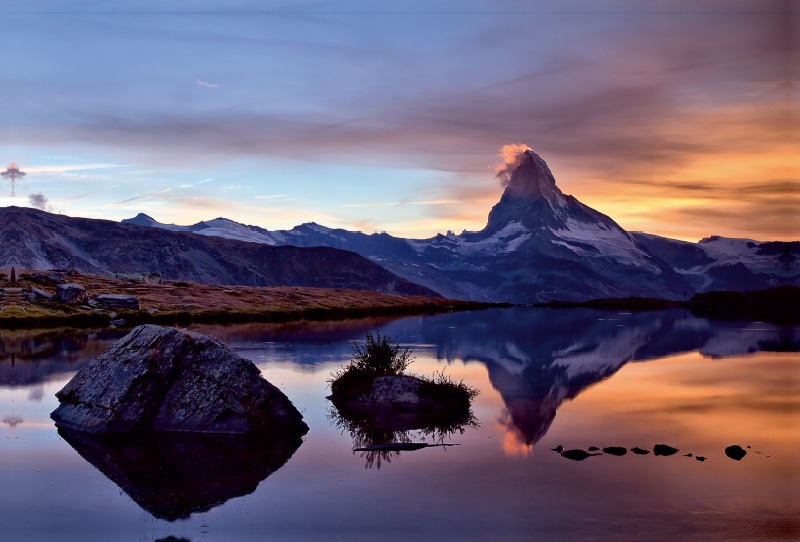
(380, 355)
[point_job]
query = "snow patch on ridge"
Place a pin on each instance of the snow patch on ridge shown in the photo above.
(612, 243)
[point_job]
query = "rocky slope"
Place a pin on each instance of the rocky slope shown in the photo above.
(538, 245)
(719, 263)
(38, 240)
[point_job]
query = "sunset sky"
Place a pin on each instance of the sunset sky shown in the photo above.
(680, 118)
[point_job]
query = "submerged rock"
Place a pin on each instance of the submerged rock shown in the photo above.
(663, 449)
(400, 447)
(615, 450)
(576, 455)
(700, 458)
(735, 452)
(173, 475)
(639, 451)
(164, 379)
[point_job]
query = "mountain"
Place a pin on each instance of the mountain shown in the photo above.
(538, 245)
(35, 239)
(719, 263)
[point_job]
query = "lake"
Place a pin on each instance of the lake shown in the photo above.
(576, 378)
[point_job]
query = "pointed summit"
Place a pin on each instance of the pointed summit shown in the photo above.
(531, 196)
(532, 180)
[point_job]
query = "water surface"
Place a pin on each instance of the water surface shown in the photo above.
(571, 377)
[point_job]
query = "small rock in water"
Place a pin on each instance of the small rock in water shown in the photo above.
(663, 449)
(615, 450)
(558, 448)
(576, 455)
(735, 452)
(118, 322)
(593, 448)
(639, 451)
(687, 455)
(700, 458)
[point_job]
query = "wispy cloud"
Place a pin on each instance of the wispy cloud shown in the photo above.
(61, 168)
(87, 194)
(148, 195)
(201, 83)
(205, 181)
(399, 203)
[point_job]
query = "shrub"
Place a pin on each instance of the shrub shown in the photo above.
(379, 354)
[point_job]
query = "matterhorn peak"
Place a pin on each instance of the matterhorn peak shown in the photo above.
(531, 179)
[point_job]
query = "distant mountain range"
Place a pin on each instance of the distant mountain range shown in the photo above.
(35, 239)
(540, 245)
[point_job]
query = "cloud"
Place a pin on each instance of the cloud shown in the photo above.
(87, 194)
(633, 106)
(143, 196)
(399, 203)
(205, 181)
(39, 201)
(207, 85)
(509, 160)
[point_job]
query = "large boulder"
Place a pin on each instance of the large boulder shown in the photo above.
(164, 379)
(72, 293)
(119, 301)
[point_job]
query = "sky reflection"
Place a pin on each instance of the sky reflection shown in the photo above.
(664, 377)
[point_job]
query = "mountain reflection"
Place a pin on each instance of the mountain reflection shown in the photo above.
(30, 357)
(538, 358)
(172, 475)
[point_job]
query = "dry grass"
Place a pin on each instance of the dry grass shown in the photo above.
(193, 302)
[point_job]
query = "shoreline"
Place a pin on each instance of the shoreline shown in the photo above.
(179, 302)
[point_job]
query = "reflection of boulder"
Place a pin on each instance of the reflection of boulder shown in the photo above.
(174, 475)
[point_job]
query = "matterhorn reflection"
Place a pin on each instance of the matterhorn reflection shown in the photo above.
(537, 357)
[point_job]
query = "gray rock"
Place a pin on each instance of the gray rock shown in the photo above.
(93, 303)
(41, 293)
(119, 322)
(119, 301)
(164, 379)
(71, 293)
(31, 296)
(153, 278)
(404, 393)
(152, 311)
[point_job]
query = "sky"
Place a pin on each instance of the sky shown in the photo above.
(679, 118)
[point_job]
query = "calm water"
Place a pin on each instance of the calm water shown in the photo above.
(576, 378)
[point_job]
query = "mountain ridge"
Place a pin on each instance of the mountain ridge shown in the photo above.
(35, 239)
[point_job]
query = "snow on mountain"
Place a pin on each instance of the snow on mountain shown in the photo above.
(721, 263)
(541, 245)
